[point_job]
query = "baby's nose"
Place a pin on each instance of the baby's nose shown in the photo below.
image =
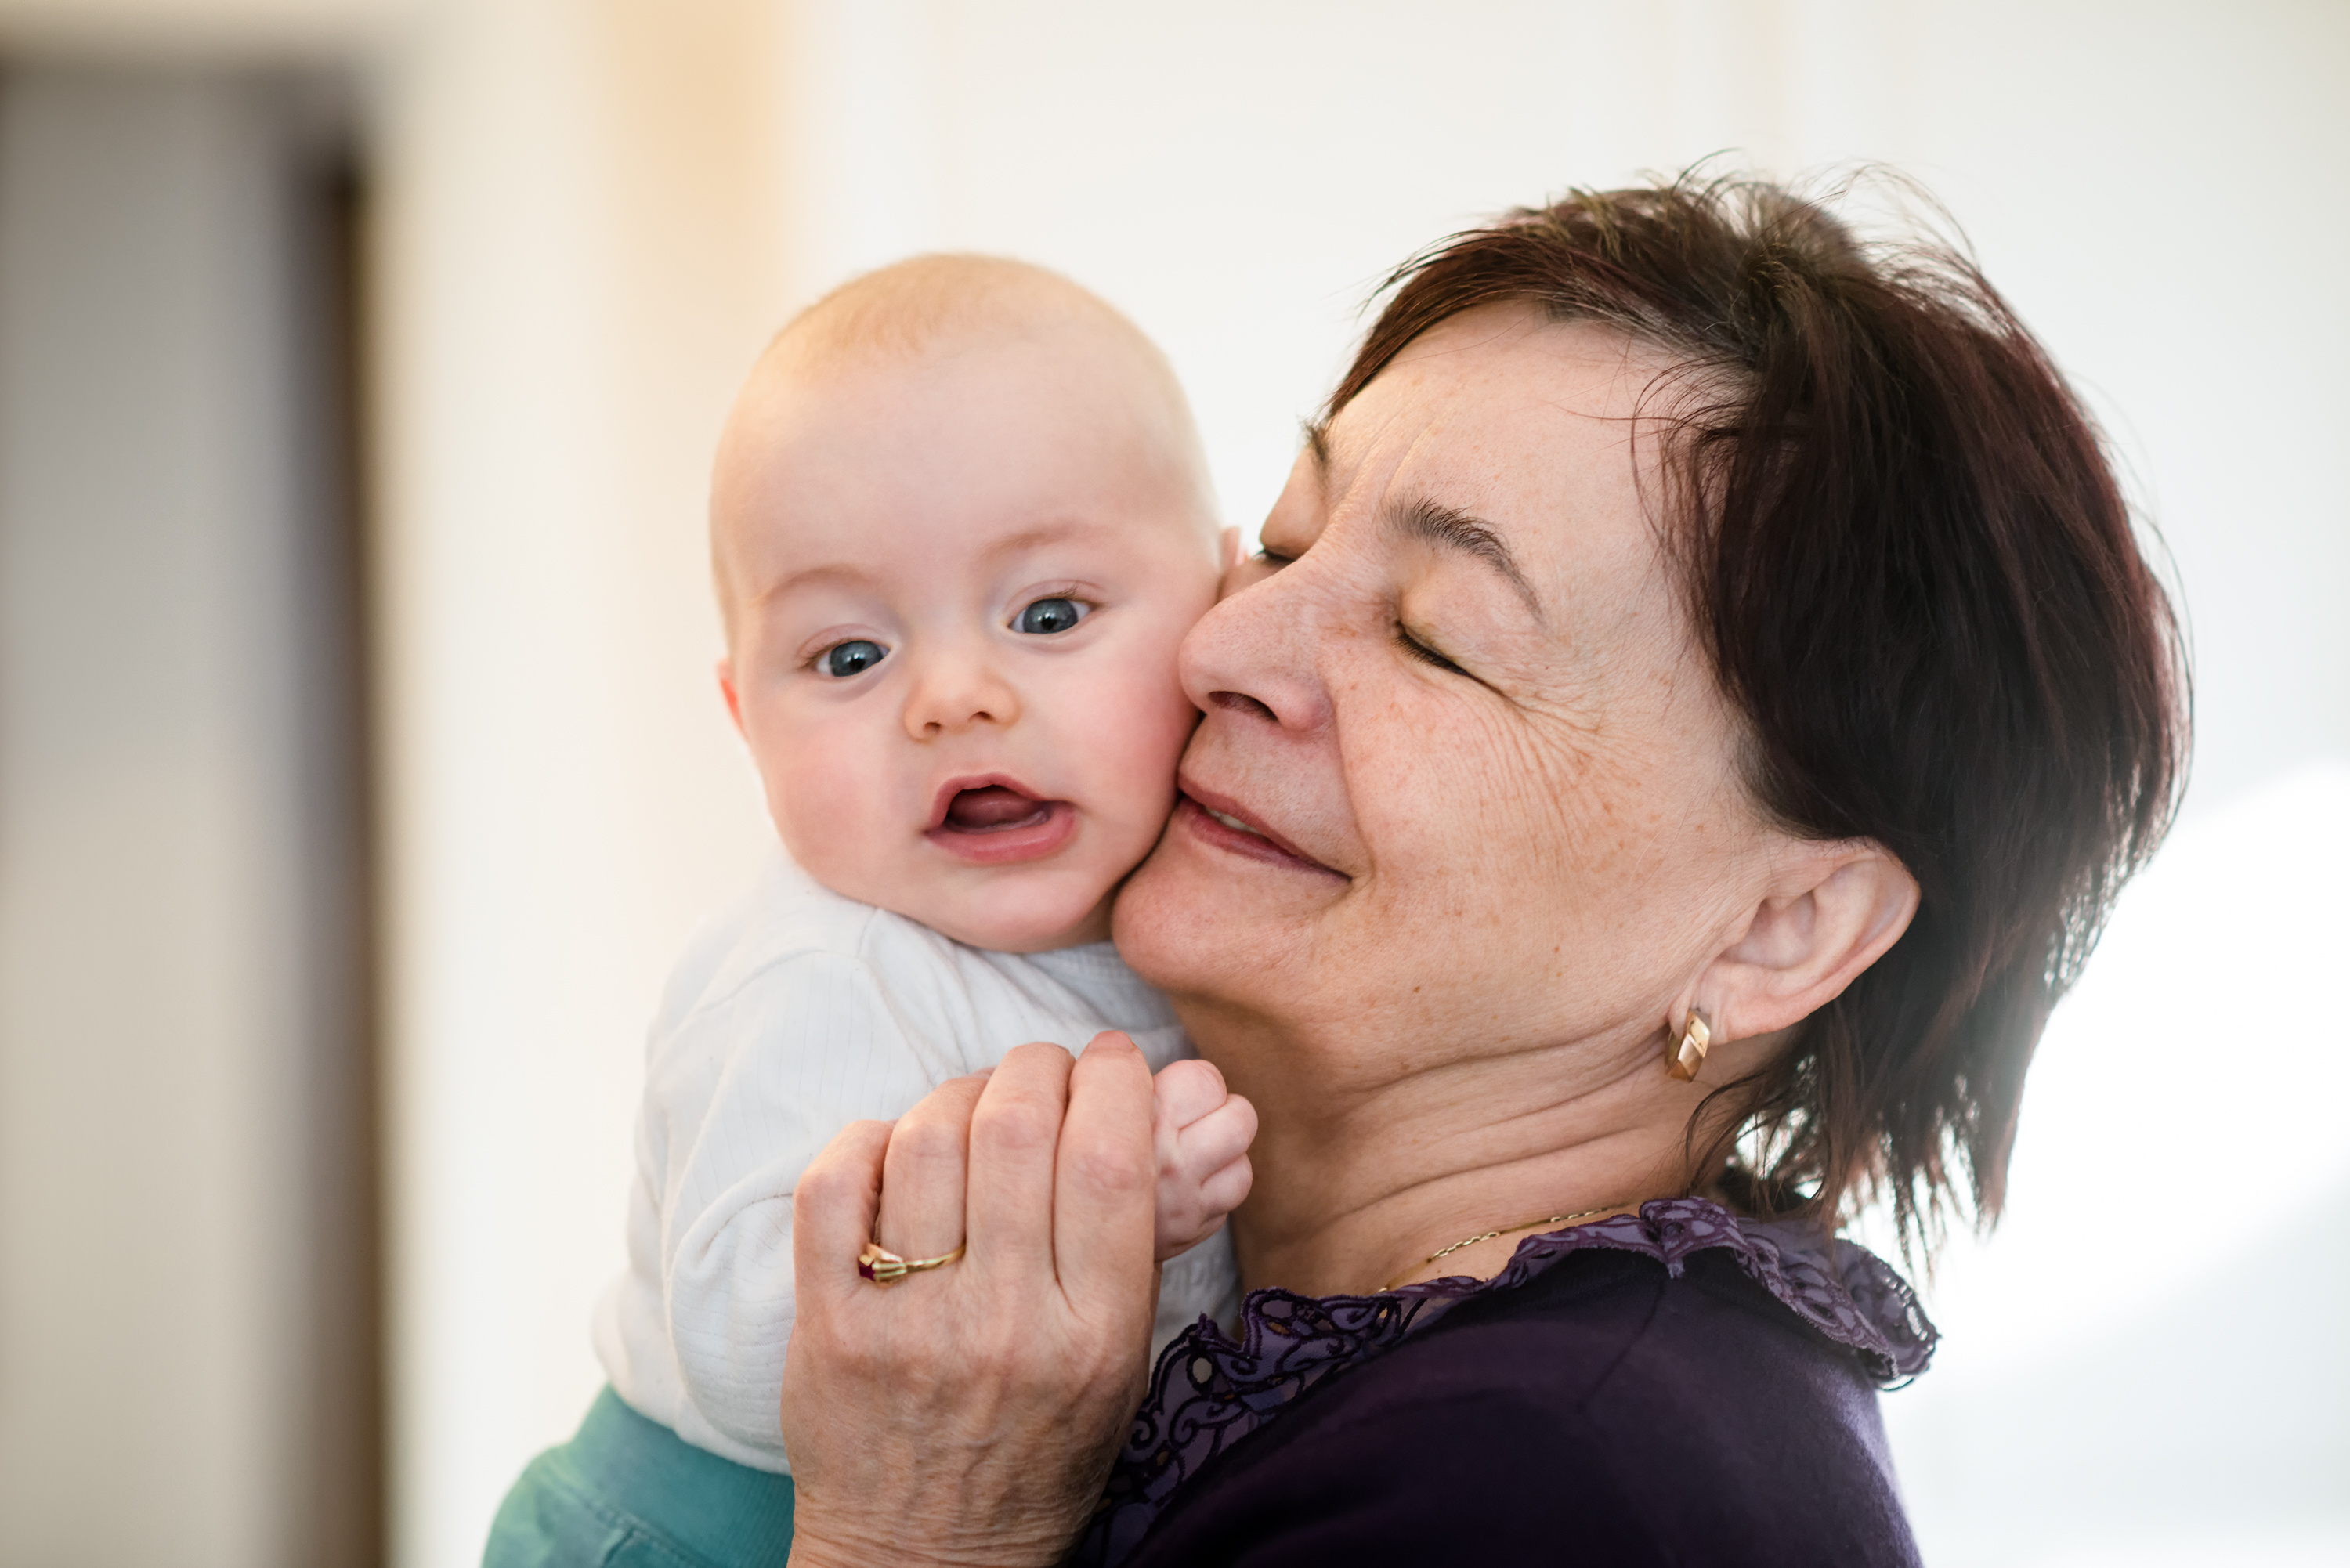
(954, 694)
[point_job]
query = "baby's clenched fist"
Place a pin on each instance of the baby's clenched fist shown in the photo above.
(1201, 1132)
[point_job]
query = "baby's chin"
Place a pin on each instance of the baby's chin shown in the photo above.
(1148, 924)
(1018, 914)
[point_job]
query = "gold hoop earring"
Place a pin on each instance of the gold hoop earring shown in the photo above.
(1685, 1055)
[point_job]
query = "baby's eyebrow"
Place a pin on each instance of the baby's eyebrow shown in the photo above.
(829, 571)
(1051, 532)
(1432, 523)
(1048, 532)
(761, 598)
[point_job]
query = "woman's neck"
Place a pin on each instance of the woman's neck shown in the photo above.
(1357, 1184)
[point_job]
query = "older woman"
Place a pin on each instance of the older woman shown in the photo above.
(1699, 697)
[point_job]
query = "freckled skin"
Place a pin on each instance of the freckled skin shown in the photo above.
(1532, 856)
(1498, 806)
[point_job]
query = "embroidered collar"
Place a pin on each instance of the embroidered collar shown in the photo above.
(1210, 1391)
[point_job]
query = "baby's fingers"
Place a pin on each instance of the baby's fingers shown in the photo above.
(1183, 1092)
(1219, 1137)
(1226, 1190)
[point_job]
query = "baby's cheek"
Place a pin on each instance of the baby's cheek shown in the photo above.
(1149, 748)
(829, 803)
(1162, 719)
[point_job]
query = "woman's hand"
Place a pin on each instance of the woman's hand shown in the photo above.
(968, 1414)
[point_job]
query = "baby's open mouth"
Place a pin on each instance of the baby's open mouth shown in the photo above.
(992, 820)
(993, 808)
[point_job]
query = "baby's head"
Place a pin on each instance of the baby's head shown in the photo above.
(960, 521)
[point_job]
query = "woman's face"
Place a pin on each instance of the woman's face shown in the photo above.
(1490, 779)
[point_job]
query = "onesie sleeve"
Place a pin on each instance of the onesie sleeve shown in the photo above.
(740, 1097)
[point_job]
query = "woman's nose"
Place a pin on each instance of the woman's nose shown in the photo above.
(957, 690)
(1253, 654)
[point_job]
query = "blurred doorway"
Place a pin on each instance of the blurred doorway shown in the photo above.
(189, 1342)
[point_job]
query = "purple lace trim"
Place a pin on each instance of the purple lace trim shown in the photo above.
(1208, 1392)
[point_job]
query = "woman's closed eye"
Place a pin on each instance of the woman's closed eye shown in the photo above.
(844, 661)
(1051, 617)
(1412, 645)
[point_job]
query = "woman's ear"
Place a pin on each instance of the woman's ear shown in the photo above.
(734, 697)
(1831, 911)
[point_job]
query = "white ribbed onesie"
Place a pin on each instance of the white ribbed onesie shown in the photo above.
(794, 1015)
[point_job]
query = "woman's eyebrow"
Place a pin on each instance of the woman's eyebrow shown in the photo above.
(1432, 523)
(1318, 441)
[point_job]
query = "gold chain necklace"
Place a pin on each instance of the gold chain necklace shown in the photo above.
(1443, 1252)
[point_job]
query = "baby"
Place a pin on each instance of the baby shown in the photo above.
(959, 523)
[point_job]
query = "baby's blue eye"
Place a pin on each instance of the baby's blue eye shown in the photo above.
(1046, 616)
(843, 660)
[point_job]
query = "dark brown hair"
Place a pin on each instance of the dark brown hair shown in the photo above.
(1906, 547)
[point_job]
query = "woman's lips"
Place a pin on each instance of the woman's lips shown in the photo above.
(1220, 823)
(996, 821)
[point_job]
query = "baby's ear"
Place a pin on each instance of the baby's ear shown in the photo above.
(1228, 561)
(733, 699)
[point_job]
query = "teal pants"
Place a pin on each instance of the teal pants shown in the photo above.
(627, 1492)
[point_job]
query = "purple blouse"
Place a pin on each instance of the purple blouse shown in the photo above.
(1674, 1386)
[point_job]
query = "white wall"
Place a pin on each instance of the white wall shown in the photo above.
(573, 265)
